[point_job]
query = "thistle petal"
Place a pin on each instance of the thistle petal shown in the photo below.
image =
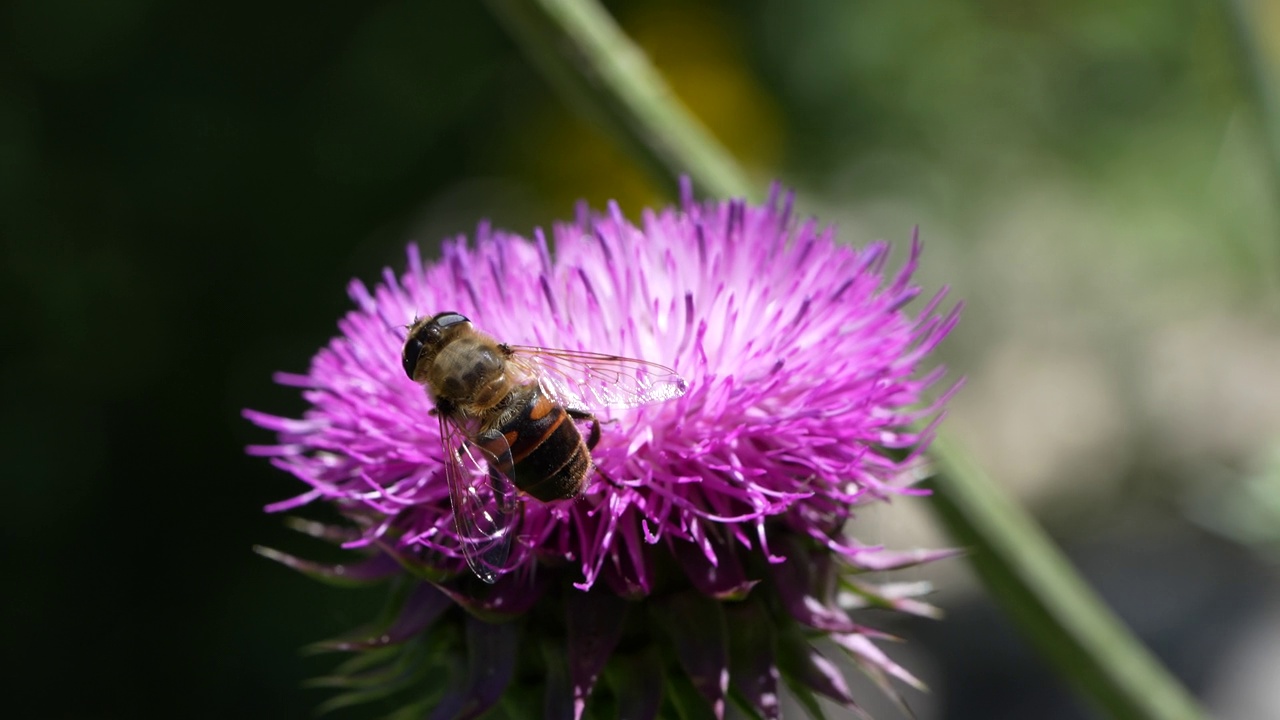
(491, 661)
(491, 649)
(753, 667)
(688, 703)
(874, 664)
(420, 611)
(803, 664)
(383, 670)
(695, 626)
(392, 673)
(879, 559)
(366, 571)
(595, 621)
(505, 599)
(333, 534)
(725, 579)
(796, 584)
(895, 596)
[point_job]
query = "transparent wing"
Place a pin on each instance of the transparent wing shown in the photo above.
(484, 498)
(588, 380)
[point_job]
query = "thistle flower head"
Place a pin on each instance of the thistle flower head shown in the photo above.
(805, 399)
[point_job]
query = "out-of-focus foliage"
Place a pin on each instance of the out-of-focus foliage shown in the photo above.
(186, 188)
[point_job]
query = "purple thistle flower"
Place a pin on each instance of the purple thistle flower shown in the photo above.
(804, 399)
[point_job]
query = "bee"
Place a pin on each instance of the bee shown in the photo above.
(509, 419)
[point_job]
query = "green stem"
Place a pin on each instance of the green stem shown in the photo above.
(1258, 49)
(602, 73)
(1044, 595)
(1258, 43)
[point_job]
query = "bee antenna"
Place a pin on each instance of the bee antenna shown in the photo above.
(394, 326)
(605, 476)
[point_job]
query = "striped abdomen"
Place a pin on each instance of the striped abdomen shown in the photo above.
(551, 460)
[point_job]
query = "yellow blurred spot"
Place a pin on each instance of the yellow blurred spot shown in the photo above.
(699, 53)
(1268, 14)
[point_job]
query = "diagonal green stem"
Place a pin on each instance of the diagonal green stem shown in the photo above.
(608, 79)
(1258, 42)
(587, 57)
(1048, 600)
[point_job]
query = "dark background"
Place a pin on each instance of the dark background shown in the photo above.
(186, 189)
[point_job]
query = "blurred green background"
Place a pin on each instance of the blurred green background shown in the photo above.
(186, 189)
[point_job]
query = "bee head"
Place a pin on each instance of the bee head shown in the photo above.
(426, 337)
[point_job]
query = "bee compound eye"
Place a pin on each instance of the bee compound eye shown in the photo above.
(412, 349)
(445, 319)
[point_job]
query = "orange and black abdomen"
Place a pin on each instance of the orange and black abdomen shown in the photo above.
(551, 460)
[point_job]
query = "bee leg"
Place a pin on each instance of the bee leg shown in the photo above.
(594, 436)
(605, 477)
